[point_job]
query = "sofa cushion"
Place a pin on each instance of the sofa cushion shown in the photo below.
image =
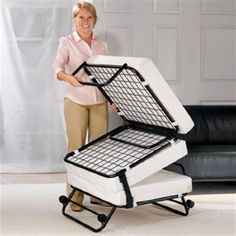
(209, 163)
(212, 124)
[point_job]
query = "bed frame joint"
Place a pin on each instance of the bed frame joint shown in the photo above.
(123, 180)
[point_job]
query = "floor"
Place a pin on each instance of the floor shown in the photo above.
(32, 178)
(35, 210)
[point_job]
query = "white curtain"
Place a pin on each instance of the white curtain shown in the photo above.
(31, 100)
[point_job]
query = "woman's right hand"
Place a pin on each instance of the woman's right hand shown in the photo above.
(74, 81)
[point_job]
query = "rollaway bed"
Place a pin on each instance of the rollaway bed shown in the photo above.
(125, 167)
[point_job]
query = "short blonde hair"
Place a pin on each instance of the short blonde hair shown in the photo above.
(87, 6)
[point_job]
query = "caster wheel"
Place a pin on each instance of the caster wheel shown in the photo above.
(190, 203)
(63, 199)
(102, 218)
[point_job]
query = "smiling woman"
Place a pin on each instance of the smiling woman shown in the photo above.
(85, 18)
(85, 106)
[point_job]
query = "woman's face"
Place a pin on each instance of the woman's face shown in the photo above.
(84, 22)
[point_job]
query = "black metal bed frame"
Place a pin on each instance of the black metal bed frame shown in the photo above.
(103, 218)
(145, 116)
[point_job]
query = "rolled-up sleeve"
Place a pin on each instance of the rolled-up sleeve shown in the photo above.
(61, 58)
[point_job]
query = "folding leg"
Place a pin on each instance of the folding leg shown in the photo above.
(186, 204)
(102, 218)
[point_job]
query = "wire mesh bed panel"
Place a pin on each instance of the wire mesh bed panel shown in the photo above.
(143, 75)
(111, 167)
(102, 161)
(132, 95)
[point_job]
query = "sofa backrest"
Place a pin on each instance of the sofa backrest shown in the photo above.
(212, 124)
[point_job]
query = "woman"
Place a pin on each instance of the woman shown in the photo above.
(85, 106)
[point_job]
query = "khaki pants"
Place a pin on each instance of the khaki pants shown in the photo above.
(80, 120)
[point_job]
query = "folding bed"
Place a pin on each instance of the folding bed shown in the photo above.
(125, 167)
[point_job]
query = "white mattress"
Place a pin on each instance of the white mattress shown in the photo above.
(147, 103)
(161, 184)
(157, 83)
(156, 162)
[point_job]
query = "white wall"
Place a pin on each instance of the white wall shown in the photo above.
(193, 42)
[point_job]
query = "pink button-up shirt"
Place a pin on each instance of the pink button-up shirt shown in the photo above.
(71, 53)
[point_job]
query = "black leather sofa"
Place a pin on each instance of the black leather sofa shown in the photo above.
(211, 144)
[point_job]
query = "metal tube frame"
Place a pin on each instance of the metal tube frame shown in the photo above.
(105, 218)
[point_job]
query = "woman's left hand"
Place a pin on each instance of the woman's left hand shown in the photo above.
(114, 107)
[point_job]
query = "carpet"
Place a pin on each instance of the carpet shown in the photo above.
(28, 209)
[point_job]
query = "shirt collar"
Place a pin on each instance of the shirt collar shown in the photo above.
(77, 38)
